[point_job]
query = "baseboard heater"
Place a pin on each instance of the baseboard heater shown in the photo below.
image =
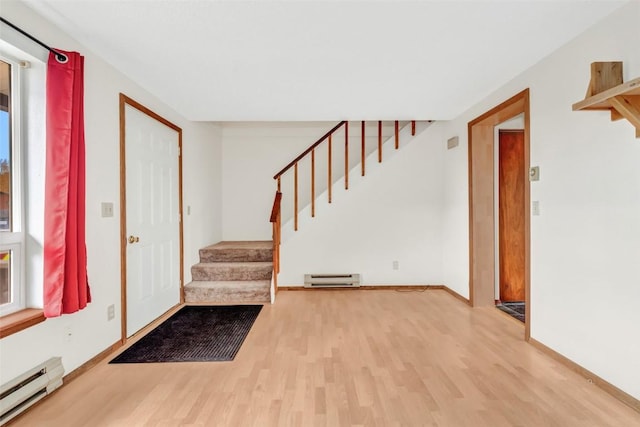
(331, 280)
(25, 390)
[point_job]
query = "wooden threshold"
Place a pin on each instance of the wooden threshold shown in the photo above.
(509, 317)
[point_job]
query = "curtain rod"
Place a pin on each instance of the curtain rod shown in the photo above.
(59, 56)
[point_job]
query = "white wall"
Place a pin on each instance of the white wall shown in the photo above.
(585, 245)
(201, 190)
(91, 333)
(392, 214)
(253, 153)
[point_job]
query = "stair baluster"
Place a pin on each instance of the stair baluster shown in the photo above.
(362, 162)
(346, 155)
(313, 183)
(329, 182)
(380, 141)
(295, 196)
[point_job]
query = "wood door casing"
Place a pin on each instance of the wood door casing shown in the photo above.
(511, 182)
(482, 233)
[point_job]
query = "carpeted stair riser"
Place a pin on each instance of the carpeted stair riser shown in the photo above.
(232, 271)
(225, 291)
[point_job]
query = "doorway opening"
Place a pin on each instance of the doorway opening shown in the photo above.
(509, 176)
(499, 247)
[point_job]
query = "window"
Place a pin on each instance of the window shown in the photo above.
(12, 295)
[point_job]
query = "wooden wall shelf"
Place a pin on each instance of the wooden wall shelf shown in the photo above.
(622, 100)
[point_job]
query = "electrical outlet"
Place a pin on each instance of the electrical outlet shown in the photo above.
(67, 333)
(111, 312)
(396, 265)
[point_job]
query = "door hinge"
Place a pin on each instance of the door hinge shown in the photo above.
(179, 151)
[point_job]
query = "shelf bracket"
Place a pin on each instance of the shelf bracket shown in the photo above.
(628, 110)
(606, 91)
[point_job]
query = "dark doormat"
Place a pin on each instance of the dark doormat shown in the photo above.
(514, 309)
(195, 334)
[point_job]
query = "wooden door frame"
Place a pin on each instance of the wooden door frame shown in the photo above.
(482, 242)
(124, 101)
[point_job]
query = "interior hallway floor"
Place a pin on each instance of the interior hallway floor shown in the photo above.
(350, 357)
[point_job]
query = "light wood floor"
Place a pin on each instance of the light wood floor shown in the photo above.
(341, 358)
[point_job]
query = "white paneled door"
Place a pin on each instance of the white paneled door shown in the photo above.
(152, 235)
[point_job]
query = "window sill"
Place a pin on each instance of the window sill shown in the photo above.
(16, 322)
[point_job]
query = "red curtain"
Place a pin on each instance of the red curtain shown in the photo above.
(66, 288)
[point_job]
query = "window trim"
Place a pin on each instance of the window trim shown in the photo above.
(14, 240)
(20, 320)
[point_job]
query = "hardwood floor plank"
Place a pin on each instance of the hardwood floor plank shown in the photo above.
(340, 358)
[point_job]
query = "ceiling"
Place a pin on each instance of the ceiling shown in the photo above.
(322, 60)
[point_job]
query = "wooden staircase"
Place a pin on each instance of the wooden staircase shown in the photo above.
(239, 272)
(232, 272)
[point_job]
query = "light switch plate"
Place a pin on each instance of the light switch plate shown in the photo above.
(452, 142)
(535, 208)
(107, 209)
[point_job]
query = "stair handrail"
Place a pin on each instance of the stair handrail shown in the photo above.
(308, 150)
(327, 137)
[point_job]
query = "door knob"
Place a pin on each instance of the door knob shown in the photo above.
(133, 239)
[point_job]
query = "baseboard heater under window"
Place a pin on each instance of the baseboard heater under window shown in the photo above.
(25, 390)
(331, 280)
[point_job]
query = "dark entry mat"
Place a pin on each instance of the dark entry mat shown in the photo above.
(514, 309)
(195, 334)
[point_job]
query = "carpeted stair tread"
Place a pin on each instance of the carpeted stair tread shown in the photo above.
(230, 271)
(228, 291)
(243, 251)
